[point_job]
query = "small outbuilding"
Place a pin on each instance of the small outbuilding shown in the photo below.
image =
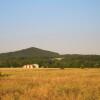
(35, 66)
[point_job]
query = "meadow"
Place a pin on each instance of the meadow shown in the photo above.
(49, 84)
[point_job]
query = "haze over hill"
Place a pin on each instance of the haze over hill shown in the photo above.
(47, 59)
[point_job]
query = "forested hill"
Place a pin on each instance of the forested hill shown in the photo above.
(30, 52)
(26, 56)
(47, 59)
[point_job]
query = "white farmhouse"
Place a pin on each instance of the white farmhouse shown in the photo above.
(30, 66)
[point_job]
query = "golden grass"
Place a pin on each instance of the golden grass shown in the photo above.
(50, 84)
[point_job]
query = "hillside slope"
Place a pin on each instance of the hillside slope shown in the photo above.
(30, 52)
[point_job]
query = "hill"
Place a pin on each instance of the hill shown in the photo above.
(30, 52)
(48, 59)
(26, 56)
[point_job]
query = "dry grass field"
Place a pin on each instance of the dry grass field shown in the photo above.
(49, 84)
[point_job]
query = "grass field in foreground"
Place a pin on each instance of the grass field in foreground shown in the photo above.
(49, 84)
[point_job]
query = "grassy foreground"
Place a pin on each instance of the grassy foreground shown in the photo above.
(49, 84)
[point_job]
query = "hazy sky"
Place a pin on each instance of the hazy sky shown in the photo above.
(64, 26)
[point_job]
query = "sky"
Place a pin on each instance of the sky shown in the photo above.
(64, 26)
